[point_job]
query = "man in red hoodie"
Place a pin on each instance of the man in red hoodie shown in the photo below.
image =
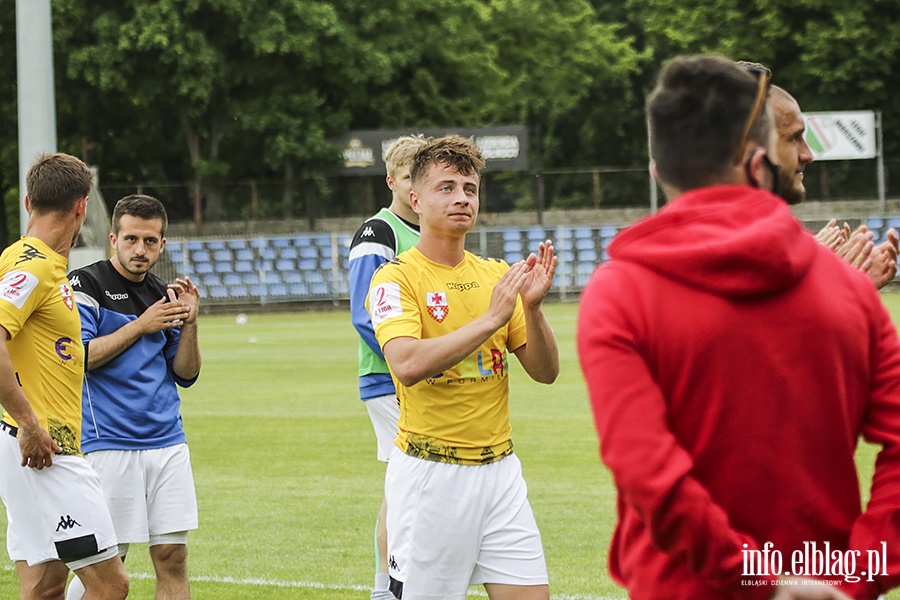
(732, 364)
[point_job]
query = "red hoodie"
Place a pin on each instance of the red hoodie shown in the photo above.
(732, 364)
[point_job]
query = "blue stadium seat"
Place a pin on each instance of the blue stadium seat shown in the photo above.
(249, 278)
(264, 265)
(510, 235)
(267, 253)
(210, 279)
(259, 290)
(237, 243)
(203, 268)
(320, 288)
(278, 290)
(243, 266)
(285, 265)
(307, 264)
(584, 244)
(244, 254)
(213, 245)
(288, 252)
(299, 289)
(218, 291)
(222, 256)
(200, 256)
(231, 279)
(224, 267)
(237, 291)
(512, 257)
(309, 252)
(271, 277)
(608, 232)
(292, 277)
(512, 246)
(583, 232)
(259, 243)
(194, 245)
(281, 242)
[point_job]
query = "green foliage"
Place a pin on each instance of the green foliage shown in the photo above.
(220, 90)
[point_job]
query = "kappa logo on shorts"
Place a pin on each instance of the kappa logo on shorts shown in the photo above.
(67, 522)
(437, 305)
(392, 563)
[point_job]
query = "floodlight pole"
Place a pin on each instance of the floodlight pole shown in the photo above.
(879, 157)
(37, 102)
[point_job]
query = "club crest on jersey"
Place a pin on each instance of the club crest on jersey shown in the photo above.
(66, 292)
(436, 304)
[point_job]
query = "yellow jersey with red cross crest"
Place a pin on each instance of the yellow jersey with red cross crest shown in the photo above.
(461, 415)
(38, 310)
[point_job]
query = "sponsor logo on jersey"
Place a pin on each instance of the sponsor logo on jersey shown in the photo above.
(16, 286)
(62, 348)
(29, 252)
(436, 305)
(368, 232)
(384, 302)
(115, 296)
(463, 287)
(66, 292)
(75, 281)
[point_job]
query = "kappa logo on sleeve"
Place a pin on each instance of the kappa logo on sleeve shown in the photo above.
(384, 302)
(16, 286)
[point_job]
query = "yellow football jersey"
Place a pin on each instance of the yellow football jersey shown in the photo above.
(38, 310)
(462, 414)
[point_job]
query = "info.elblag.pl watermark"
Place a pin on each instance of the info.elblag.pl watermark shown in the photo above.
(816, 560)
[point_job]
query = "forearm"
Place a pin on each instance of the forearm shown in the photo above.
(187, 359)
(103, 349)
(540, 354)
(412, 360)
(12, 398)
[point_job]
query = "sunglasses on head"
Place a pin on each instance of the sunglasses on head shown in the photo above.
(763, 78)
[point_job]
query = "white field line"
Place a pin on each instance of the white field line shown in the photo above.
(322, 586)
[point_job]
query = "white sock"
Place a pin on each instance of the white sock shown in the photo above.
(76, 589)
(382, 583)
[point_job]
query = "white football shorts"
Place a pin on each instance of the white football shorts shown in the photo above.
(384, 411)
(149, 492)
(451, 526)
(57, 513)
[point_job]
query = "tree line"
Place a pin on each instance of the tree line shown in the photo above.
(211, 91)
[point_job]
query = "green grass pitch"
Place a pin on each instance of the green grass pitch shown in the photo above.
(288, 485)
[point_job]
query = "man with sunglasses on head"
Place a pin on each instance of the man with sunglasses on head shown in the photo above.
(732, 364)
(856, 247)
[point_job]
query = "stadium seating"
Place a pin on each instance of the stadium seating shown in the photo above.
(281, 268)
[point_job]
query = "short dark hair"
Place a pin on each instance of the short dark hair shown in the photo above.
(696, 118)
(452, 150)
(140, 206)
(55, 182)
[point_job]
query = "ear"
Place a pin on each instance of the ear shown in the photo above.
(81, 207)
(27, 205)
(414, 201)
(112, 239)
(162, 244)
(390, 182)
(756, 172)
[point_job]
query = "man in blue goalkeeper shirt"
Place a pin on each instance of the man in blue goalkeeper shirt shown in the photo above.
(140, 340)
(382, 237)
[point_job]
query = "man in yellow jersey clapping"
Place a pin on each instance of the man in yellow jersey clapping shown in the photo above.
(458, 512)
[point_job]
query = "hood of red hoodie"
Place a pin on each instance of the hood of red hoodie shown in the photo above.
(730, 240)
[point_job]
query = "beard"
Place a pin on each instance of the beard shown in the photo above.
(789, 189)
